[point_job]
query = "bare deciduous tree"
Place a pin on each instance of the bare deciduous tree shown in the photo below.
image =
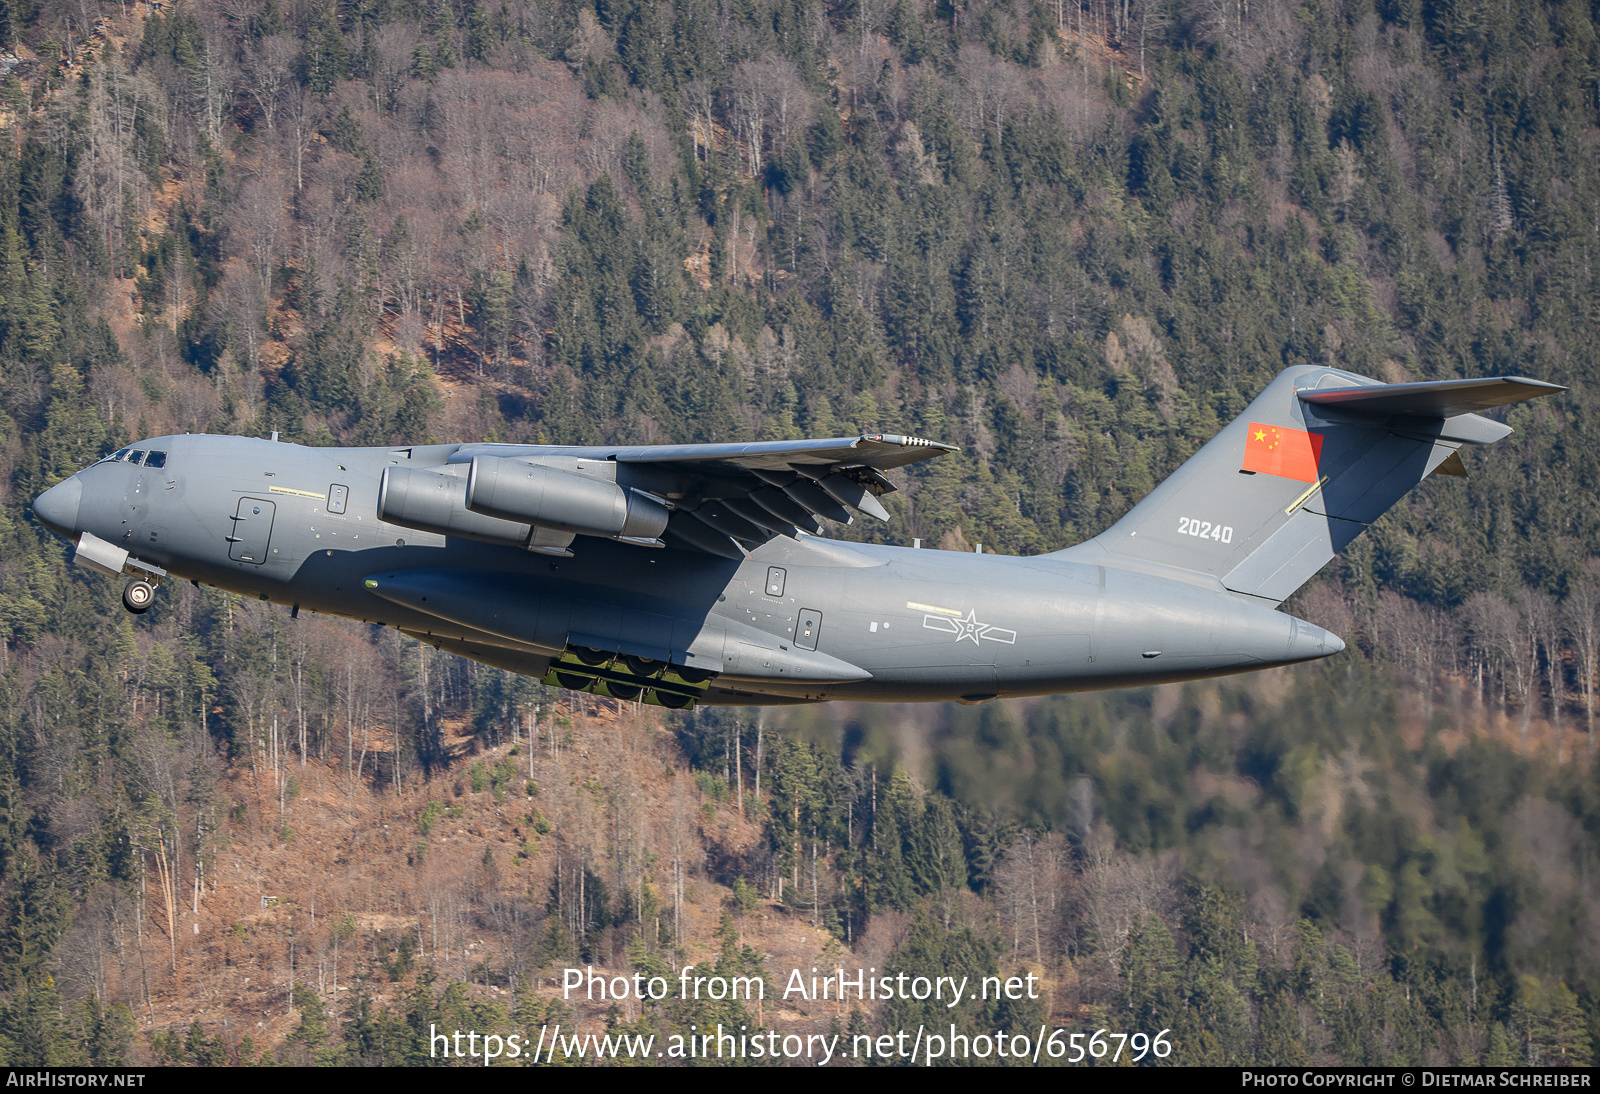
(258, 220)
(1580, 616)
(769, 104)
(994, 90)
(269, 72)
(1541, 617)
(1500, 633)
(1029, 881)
(302, 113)
(1416, 636)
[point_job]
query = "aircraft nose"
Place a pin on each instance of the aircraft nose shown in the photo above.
(57, 507)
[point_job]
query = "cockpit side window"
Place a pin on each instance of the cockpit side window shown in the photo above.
(137, 457)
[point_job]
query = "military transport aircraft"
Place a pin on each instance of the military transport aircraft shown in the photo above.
(683, 574)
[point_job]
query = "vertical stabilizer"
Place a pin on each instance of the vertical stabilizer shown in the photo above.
(1317, 457)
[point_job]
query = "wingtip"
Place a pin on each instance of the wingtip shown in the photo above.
(905, 441)
(1548, 388)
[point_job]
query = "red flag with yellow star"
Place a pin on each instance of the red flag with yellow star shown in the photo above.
(1278, 450)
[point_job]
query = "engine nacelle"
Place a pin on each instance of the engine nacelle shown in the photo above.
(436, 503)
(515, 491)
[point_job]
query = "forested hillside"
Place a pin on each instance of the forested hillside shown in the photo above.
(1072, 238)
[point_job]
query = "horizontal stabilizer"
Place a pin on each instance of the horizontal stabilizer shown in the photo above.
(1441, 399)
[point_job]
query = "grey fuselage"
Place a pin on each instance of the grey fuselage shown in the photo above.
(887, 623)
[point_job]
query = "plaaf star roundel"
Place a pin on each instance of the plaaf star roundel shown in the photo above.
(969, 628)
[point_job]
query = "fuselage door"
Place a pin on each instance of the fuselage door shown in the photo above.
(252, 529)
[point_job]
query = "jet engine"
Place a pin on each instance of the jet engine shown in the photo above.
(431, 502)
(512, 490)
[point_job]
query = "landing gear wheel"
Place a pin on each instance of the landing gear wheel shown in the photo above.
(137, 596)
(641, 666)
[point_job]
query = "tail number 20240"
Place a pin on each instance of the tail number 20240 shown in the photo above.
(1204, 529)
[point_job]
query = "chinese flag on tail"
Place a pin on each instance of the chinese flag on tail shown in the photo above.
(1277, 450)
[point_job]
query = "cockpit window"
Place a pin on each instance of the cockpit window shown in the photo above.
(138, 457)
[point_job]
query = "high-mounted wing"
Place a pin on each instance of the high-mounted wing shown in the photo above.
(726, 499)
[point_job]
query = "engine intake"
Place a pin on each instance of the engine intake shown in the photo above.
(511, 490)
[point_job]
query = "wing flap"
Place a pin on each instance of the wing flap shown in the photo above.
(782, 506)
(758, 515)
(684, 528)
(849, 492)
(818, 500)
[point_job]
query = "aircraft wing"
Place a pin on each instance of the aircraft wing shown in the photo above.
(730, 498)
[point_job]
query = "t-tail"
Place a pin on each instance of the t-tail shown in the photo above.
(1317, 457)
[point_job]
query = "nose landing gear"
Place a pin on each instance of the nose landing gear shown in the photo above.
(115, 562)
(138, 595)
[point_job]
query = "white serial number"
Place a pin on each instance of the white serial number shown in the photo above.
(1204, 529)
